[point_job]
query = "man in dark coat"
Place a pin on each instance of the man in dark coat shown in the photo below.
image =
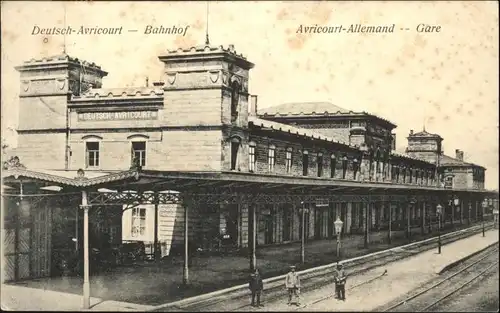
(256, 285)
(340, 277)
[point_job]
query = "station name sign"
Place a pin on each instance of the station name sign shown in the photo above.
(118, 116)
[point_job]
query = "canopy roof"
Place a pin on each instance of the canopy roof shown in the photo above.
(210, 182)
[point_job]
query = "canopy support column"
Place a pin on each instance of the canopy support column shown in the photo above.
(422, 208)
(86, 266)
(253, 237)
(452, 214)
(408, 221)
(389, 239)
(185, 273)
(367, 223)
(157, 255)
(302, 235)
(469, 209)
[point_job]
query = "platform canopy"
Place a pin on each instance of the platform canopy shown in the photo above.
(212, 184)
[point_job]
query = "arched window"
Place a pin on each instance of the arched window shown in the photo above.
(377, 162)
(344, 166)
(305, 163)
(92, 148)
(138, 149)
(333, 165)
(235, 146)
(251, 156)
(235, 97)
(271, 157)
(355, 167)
(288, 160)
(319, 161)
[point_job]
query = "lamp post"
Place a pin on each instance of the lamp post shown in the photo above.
(438, 212)
(484, 206)
(303, 234)
(338, 230)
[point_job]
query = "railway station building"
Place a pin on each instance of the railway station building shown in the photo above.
(260, 177)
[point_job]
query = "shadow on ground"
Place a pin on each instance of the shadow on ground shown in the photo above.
(159, 283)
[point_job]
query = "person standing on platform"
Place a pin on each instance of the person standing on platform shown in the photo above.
(292, 284)
(340, 278)
(256, 286)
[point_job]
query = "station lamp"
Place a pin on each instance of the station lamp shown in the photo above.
(439, 210)
(338, 230)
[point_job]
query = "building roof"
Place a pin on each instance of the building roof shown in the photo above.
(294, 130)
(425, 133)
(305, 108)
(207, 49)
(314, 135)
(407, 157)
(120, 93)
(206, 52)
(69, 178)
(58, 59)
(312, 109)
(446, 160)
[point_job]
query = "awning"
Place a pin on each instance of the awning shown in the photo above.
(213, 182)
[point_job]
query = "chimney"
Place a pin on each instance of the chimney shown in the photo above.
(253, 106)
(147, 81)
(459, 154)
(411, 132)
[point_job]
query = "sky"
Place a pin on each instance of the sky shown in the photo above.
(447, 80)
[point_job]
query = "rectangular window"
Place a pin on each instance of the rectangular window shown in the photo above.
(251, 158)
(138, 222)
(271, 159)
(288, 161)
(92, 154)
(305, 164)
(320, 165)
(139, 152)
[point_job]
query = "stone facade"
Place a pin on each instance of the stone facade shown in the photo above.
(352, 128)
(198, 119)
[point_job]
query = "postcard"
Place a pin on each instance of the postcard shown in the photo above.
(249, 155)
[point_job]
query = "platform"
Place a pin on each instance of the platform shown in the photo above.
(146, 285)
(19, 298)
(402, 277)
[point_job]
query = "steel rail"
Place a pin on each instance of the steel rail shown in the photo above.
(202, 304)
(333, 294)
(440, 282)
(400, 303)
(459, 288)
(372, 279)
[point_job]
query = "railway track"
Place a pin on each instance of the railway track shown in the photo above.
(239, 300)
(431, 296)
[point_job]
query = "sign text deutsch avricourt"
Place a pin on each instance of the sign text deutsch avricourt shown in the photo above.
(110, 116)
